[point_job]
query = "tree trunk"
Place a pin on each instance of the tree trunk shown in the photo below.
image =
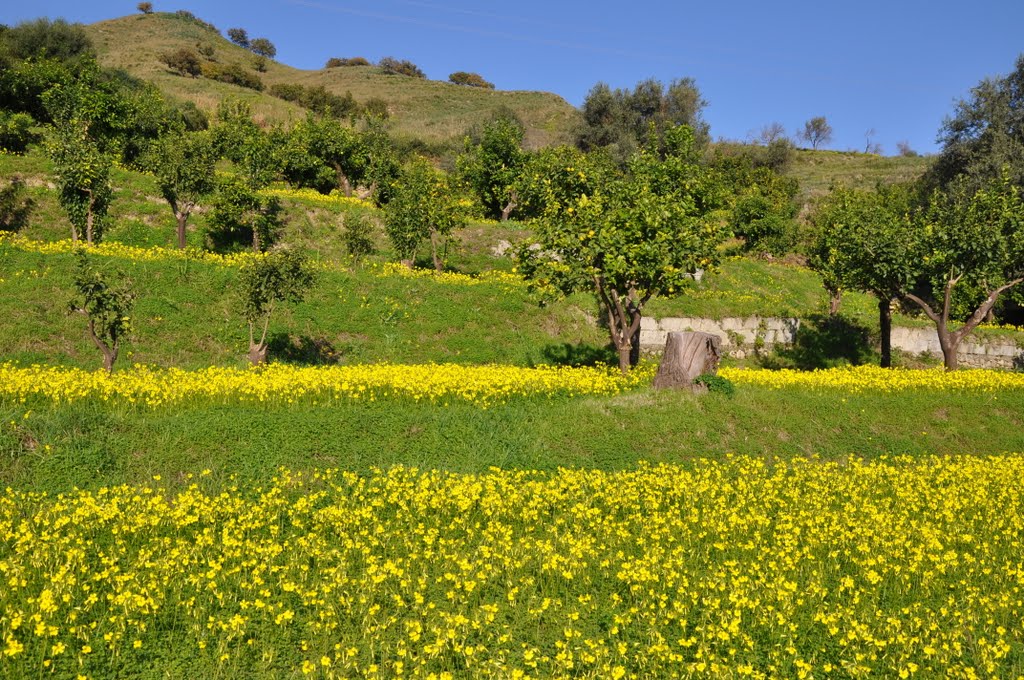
(949, 344)
(687, 355)
(109, 357)
(257, 353)
(512, 205)
(109, 352)
(343, 183)
(182, 219)
(438, 264)
(88, 221)
(885, 330)
(835, 298)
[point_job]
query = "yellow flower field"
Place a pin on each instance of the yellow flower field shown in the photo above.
(158, 253)
(284, 383)
(873, 378)
(737, 568)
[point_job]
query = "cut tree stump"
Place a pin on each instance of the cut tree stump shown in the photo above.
(687, 355)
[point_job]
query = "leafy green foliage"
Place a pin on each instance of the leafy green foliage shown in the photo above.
(107, 306)
(335, 62)
(716, 384)
(253, 151)
(46, 39)
(184, 61)
(621, 120)
(263, 48)
(317, 99)
(82, 171)
(15, 206)
(635, 237)
(470, 80)
(984, 135)
(423, 205)
(491, 165)
(238, 215)
(239, 36)
(233, 74)
(357, 235)
(281, 276)
(400, 67)
(816, 131)
(555, 178)
(866, 240)
(323, 155)
(183, 165)
(16, 132)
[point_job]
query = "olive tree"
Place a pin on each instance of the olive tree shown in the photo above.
(266, 281)
(107, 306)
(635, 237)
(816, 131)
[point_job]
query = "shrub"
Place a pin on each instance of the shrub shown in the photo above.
(263, 47)
(234, 74)
(259, 63)
(207, 51)
(184, 61)
(188, 16)
(16, 132)
(239, 36)
(316, 99)
(42, 38)
(403, 67)
(145, 7)
(470, 79)
(241, 217)
(765, 228)
(335, 62)
(357, 236)
(192, 116)
(375, 107)
(716, 383)
(15, 206)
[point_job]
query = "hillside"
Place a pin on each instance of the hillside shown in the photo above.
(430, 110)
(817, 170)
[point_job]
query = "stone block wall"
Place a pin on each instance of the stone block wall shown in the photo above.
(740, 337)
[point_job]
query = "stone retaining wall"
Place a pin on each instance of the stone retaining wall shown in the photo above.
(741, 337)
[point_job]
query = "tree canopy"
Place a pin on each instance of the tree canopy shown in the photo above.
(636, 236)
(620, 120)
(984, 135)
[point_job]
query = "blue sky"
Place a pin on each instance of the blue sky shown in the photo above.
(895, 67)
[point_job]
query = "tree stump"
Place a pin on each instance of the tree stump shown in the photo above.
(687, 355)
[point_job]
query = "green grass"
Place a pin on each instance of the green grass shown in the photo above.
(96, 444)
(818, 170)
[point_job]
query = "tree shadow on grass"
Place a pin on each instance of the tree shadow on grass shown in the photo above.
(824, 341)
(578, 354)
(302, 349)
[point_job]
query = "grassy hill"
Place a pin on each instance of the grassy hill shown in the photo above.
(817, 170)
(430, 110)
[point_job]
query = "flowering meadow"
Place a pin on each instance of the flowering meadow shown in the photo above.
(285, 383)
(873, 378)
(742, 567)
